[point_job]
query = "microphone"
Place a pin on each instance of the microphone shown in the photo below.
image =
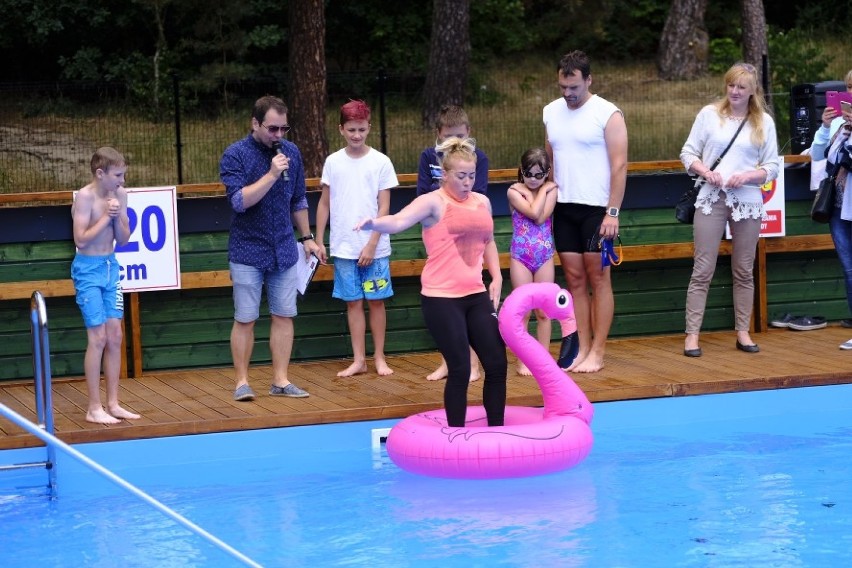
(277, 146)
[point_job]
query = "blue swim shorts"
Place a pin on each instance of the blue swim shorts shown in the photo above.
(98, 288)
(353, 282)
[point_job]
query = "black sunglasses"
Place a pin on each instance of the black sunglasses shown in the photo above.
(274, 129)
(539, 175)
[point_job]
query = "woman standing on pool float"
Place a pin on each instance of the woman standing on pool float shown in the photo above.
(458, 309)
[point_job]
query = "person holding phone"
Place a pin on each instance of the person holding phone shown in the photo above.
(832, 141)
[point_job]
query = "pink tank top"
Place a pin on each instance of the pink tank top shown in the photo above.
(455, 246)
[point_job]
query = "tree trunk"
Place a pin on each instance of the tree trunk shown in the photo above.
(684, 44)
(755, 44)
(307, 88)
(449, 54)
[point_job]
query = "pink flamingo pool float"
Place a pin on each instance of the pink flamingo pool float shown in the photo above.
(533, 441)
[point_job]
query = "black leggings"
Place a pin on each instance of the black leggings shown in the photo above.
(454, 324)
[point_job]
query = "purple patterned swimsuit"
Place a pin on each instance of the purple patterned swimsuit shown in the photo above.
(532, 244)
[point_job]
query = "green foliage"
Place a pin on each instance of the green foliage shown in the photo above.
(724, 52)
(499, 27)
(823, 17)
(84, 65)
(633, 29)
(267, 37)
(377, 34)
(795, 58)
(482, 90)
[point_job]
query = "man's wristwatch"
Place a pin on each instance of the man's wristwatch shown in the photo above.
(308, 237)
(612, 211)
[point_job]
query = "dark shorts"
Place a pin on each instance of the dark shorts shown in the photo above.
(574, 225)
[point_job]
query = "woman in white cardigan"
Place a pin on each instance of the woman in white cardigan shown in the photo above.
(731, 194)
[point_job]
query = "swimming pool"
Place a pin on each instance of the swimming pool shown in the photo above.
(747, 479)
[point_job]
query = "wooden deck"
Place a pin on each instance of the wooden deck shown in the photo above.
(199, 400)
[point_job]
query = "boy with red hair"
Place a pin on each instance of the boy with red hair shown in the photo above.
(355, 183)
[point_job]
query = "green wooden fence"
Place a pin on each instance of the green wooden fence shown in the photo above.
(191, 328)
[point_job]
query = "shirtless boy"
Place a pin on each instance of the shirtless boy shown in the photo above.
(100, 220)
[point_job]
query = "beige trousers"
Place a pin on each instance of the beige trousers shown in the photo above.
(708, 231)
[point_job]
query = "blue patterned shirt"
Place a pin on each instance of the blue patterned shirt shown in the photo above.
(262, 235)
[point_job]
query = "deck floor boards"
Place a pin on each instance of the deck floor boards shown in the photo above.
(191, 401)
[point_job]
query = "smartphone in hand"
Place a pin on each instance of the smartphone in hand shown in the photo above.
(846, 106)
(836, 98)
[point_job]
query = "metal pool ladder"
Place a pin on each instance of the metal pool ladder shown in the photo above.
(43, 388)
(44, 432)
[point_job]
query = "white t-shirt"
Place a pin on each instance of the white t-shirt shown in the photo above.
(353, 189)
(580, 161)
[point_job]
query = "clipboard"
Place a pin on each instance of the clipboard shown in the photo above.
(305, 270)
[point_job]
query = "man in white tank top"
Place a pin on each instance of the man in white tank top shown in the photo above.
(586, 137)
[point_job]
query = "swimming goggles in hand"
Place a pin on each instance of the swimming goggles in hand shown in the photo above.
(608, 255)
(607, 248)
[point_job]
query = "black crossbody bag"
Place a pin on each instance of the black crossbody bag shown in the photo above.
(685, 208)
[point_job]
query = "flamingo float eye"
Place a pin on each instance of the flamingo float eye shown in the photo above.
(563, 299)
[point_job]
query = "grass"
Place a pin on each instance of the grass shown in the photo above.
(49, 150)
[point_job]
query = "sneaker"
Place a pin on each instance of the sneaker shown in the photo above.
(243, 393)
(290, 390)
(783, 321)
(807, 323)
(846, 346)
(846, 323)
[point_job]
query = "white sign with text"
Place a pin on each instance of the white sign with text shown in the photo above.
(151, 259)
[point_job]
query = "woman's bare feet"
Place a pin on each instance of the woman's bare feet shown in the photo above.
(100, 416)
(592, 362)
(123, 414)
(523, 370)
(439, 373)
(382, 367)
(474, 373)
(355, 368)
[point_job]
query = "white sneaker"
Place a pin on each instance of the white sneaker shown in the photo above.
(846, 346)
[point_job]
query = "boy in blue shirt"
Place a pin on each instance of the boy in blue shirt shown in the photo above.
(452, 121)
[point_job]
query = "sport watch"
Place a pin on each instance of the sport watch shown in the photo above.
(612, 211)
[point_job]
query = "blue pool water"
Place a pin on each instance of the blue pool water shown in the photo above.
(748, 479)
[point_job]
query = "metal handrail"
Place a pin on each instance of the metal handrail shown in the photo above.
(43, 387)
(44, 431)
(42, 378)
(52, 441)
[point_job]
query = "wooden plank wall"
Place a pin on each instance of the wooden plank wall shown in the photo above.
(190, 327)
